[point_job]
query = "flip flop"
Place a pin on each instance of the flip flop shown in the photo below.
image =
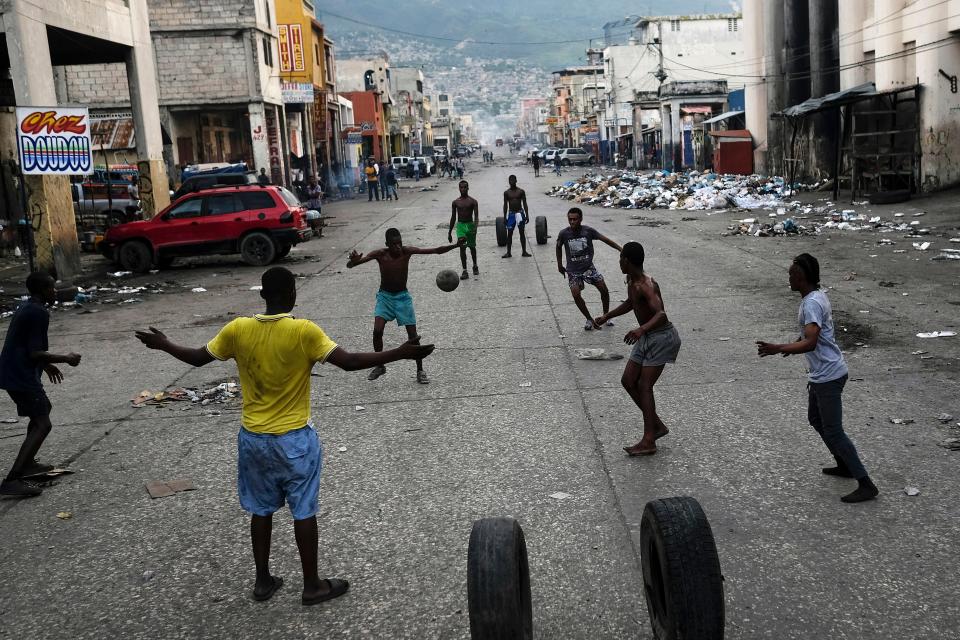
(337, 588)
(277, 583)
(640, 452)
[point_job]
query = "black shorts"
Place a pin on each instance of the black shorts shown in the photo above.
(31, 404)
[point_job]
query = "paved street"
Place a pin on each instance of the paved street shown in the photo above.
(510, 417)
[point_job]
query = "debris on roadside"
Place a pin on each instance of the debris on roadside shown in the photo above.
(162, 489)
(953, 444)
(937, 334)
(560, 495)
(65, 515)
(901, 420)
(596, 354)
(222, 393)
(911, 491)
(945, 418)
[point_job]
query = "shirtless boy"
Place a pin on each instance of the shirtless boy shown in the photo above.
(655, 343)
(393, 300)
(465, 213)
(516, 213)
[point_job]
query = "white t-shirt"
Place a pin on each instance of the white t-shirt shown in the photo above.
(826, 360)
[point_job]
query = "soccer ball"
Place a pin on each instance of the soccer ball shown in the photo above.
(448, 280)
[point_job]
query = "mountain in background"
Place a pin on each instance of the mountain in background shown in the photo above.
(517, 22)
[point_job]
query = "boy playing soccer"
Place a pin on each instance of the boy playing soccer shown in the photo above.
(279, 453)
(578, 239)
(655, 343)
(393, 300)
(23, 361)
(465, 213)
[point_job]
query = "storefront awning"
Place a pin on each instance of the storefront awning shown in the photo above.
(731, 133)
(722, 117)
(695, 109)
(831, 100)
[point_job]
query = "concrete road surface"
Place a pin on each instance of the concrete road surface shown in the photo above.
(510, 417)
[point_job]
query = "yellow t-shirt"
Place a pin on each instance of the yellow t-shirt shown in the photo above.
(274, 354)
(371, 174)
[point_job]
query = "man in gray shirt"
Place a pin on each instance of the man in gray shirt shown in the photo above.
(828, 375)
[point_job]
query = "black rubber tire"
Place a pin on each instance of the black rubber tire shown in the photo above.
(540, 224)
(501, 232)
(498, 581)
(135, 256)
(283, 251)
(257, 249)
(889, 197)
(590, 162)
(681, 571)
(565, 163)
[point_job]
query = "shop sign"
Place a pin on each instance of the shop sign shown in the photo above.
(283, 46)
(54, 141)
(296, 92)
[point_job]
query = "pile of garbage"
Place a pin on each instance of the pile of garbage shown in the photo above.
(691, 191)
(224, 392)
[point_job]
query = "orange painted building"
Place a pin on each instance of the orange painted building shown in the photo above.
(368, 117)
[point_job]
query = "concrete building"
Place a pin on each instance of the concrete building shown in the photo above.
(407, 86)
(39, 36)
(369, 122)
(327, 121)
(358, 75)
(894, 44)
(219, 84)
(680, 48)
(576, 92)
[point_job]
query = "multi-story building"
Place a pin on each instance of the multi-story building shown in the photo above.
(372, 75)
(327, 122)
(407, 85)
(576, 91)
(218, 80)
(899, 56)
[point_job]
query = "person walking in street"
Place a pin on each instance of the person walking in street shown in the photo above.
(381, 171)
(557, 164)
(315, 206)
(23, 361)
(416, 169)
(827, 376)
(465, 214)
(578, 239)
(655, 344)
(393, 299)
(516, 214)
(263, 179)
(279, 454)
(535, 160)
(460, 168)
(373, 186)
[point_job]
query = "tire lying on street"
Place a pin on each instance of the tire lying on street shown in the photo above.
(498, 581)
(135, 256)
(501, 232)
(257, 249)
(681, 571)
(541, 228)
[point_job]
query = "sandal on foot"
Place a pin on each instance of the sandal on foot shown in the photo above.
(277, 583)
(337, 588)
(422, 377)
(376, 372)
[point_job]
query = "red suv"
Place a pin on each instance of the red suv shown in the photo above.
(261, 223)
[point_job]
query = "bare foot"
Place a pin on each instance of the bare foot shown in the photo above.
(642, 448)
(662, 431)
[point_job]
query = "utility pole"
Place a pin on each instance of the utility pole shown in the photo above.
(660, 75)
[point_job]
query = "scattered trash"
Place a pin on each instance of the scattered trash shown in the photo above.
(918, 353)
(161, 489)
(561, 336)
(901, 420)
(937, 334)
(342, 449)
(10, 421)
(947, 254)
(953, 444)
(198, 290)
(911, 491)
(596, 354)
(120, 274)
(526, 384)
(724, 339)
(945, 418)
(359, 408)
(921, 246)
(256, 288)
(148, 575)
(64, 515)
(219, 394)
(850, 276)
(560, 495)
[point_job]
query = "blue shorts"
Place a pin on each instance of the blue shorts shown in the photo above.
(516, 217)
(273, 469)
(395, 306)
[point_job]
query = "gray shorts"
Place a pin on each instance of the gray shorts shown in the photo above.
(657, 347)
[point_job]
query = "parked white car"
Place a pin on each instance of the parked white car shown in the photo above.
(576, 156)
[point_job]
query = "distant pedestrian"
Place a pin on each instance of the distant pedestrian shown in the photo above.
(315, 204)
(535, 159)
(557, 164)
(381, 170)
(416, 169)
(390, 181)
(279, 454)
(263, 179)
(827, 377)
(655, 344)
(460, 168)
(373, 186)
(23, 361)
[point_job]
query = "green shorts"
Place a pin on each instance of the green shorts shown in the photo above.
(467, 230)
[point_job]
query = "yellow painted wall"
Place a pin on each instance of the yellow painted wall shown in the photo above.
(292, 13)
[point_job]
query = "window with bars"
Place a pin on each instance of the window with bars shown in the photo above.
(732, 24)
(674, 25)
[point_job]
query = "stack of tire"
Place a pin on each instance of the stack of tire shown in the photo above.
(540, 225)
